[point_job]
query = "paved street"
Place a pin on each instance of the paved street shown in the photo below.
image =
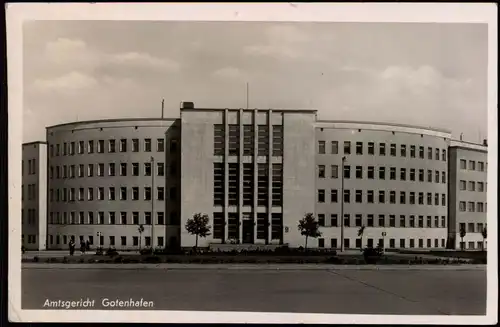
(414, 292)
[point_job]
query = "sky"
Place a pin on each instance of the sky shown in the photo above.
(426, 74)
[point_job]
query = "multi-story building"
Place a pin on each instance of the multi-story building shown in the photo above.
(111, 176)
(256, 173)
(34, 196)
(467, 194)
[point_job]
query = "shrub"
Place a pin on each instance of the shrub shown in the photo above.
(118, 259)
(372, 255)
(146, 251)
(111, 252)
(99, 251)
(35, 259)
(82, 260)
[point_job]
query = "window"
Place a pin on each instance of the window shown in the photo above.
(436, 176)
(335, 171)
(321, 171)
(402, 221)
(429, 198)
(443, 177)
(412, 151)
(359, 172)
(412, 221)
(421, 152)
(333, 220)
(123, 169)
(347, 172)
(123, 218)
(381, 220)
(160, 193)
(480, 186)
(429, 175)
(381, 196)
(436, 199)
(429, 153)
(90, 194)
(480, 166)
(369, 220)
(333, 243)
(100, 169)
(160, 145)
(421, 198)
(335, 147)
(333, 196)
(443, 155)
(393, 149)
(392, 173)
(111, 146)
(369, 196)
(135, 193)
(321, 220)
(463, 164)
(429, 222)
(321, 147)
(147, 193)
(371, 172)
(358, 243)
(371, 148)
(402, 197)
(412, 174)
(437, 154)
(443, 200)
(359, 148)
(321, 196)
(381, 172)
(112, 194)
(462, 206)
(147, 218)
(123, 193)
(135, 169)
(347, 147)
(123, 145)
(403, 150)
(347, 196)
(347, 220)
(470, 227)
(123, 240)
(402, 174)
(111, 169)
(472, 165)
(135, 145)
(480, 207)
(471, 206)
(421, 221)
(100, 146)
(135, 218)
(100, 193)
(359, 196)
(392, 197)
(382, 149)
(359, 220)
(443, 222)
(472, 186)
(147, 169)
(219, 143)
(436, 221)
(421, 175)
(147, 145)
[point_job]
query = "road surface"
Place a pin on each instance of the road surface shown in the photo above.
(411, 292)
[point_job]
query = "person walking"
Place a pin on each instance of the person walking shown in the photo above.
(71, 246)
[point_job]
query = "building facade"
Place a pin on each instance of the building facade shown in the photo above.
(256, 173)
(34, 196)
(467, 190)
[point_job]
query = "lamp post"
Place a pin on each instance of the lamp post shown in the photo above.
(152, 203)
(342, 206)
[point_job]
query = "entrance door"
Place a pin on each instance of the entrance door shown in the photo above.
(248, 231)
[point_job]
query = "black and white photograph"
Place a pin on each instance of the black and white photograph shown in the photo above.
(279, 163)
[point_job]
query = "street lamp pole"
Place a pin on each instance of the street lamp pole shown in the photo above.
(342, 206)
(152, 203)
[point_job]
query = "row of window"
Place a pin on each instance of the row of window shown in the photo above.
(470, 206)
(481, 186)
(111, 240)
(31, 239)
(404, 173)
(113, 146)
(370, 197)
(31, 167)
(471, 227)
(31, 194)
(431, 152)
(392, 243)
(472, 165)
(113, 193)
(411, 221)
(111, 218)
(31, 215)
(113, 169)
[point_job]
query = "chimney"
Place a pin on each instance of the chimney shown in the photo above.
(461, 136)
(485, 142)
(187, 105)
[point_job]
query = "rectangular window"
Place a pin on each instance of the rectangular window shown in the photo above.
(443, 221)
(382, 149)
(443, 200)
(429, 175)
(393, 149)
(369, 220)
(371, 172)
(347, 172)
(147, 218)
(471, 206)
(100, 146)
(321, 196)
(429, 153)
(321, 146)
(381, 220)
(359, 196)
(111, 169)
(147, 193)
(347, 196)
(347, 147)
(276, 186)
(421, 221)
(443, 155)
(333, 196)
(472, 186)
(135, 218)
(371, 148)
(147, 145)
(429, 198)
(160, 145)
(123, 193)
(463, 164)
(112, 194)
(403, 150)
(429, 222)
(100, 169)
(234, 139)
(333, 220)
(335, 147)
(359, 148)
(219, 140)
(392, 221)
(135, 145)
(123, 218)
(147, 169)
(277, 140)
(111, 146)
(421, 198)
(381, 196)
(402, 174)
(443, 177)
(135, 169)
(381, 172)
(402, 197)
(421, 152)
(462, 206)
(335, 171)
(412, 151)
(436, 199)
(392, 197)
(321, 220)
(123, 145)
(359, 172)
(369, 196)
(480, 186)
(392, 173)
(123, 240)
(480, 166)
(412, 221)
(480, 207)
(436, 176)
(135, 193)
(402, 221)
(123, 169)
(321, 171)
(359, 220)
(347, 220)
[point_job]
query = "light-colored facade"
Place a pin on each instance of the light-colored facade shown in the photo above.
(34, 196)
(395, 184)
(256, 173)
(100, 180)
(467, 190)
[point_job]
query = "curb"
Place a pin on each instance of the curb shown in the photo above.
(280, 267)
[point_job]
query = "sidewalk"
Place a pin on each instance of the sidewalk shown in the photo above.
(173, 266)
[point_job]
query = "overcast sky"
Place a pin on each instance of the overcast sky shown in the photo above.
(423, 74)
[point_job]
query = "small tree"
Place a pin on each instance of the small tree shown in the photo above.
(140, 229)
(198, 226)
(462, 235)
(309, 227)
(484, 233)
(360, 235)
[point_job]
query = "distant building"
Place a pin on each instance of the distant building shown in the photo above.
(468, 166)
(256, 173)
(34, 196)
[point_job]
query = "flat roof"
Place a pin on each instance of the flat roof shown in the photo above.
(288, 110)
(111, 120)
(465, 145)
(34, 142)
(429, 128)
